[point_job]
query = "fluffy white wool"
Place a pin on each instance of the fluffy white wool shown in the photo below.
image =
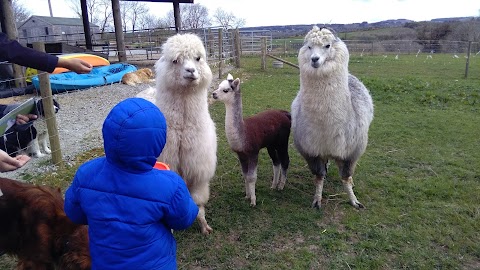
(182, 79)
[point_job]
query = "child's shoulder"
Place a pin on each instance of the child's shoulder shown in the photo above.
(170, 176)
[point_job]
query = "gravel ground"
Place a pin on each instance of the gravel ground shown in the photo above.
(80, 120)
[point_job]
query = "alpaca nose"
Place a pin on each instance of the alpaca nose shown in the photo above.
(214, 95)
(191, 70)
(315, 59)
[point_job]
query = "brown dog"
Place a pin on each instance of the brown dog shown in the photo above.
(35, 229)
(143, 75)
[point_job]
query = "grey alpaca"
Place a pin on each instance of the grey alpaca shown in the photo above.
(332, 111)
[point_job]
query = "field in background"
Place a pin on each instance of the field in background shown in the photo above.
(419, 180)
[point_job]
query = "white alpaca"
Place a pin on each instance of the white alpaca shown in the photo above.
(182, 79)
(332, 111)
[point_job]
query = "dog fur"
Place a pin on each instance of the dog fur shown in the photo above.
(35, 229)
(40, 142)
(16, 142)
(143, 75)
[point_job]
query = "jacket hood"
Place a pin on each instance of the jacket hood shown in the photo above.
(134, 134)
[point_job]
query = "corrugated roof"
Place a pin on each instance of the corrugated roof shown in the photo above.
(59, 20)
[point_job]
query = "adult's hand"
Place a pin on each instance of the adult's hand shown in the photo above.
(75, 64)
(8, 163)
(24, 118)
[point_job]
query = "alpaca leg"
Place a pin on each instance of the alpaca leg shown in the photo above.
(200, 195)
(318, 167)
(272, 152)
(317, 198)
(283, 178)
(205, 228)
(251, 178)
(348, 185)
(285, 162)
(346, 169)
(244, 164)
(277, 171)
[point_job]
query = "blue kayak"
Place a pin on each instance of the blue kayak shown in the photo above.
(97, 77)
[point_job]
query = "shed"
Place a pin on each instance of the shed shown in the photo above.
(53, 29)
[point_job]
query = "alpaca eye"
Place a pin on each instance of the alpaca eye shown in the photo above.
(198, 58)
(175, 61)
(225, 90)
(328, 46)
(309, 47)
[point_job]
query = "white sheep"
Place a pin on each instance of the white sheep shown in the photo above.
(332, 111)
(182, 79)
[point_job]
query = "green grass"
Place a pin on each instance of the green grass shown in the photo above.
(390, 33)
(419, 180)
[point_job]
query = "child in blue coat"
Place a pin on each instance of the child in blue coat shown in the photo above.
(131, 207)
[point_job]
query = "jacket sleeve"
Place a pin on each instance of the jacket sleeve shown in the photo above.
(72, 206)
(183, 210)
(12, 51)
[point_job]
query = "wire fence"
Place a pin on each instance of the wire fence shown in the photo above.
(226, 46)
(400, 47)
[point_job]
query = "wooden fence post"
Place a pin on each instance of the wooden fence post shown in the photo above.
(211, 50)
(119, 36)
(468, 58)
(47, 99)
(264, 53)
(237, 48)
(220, 52)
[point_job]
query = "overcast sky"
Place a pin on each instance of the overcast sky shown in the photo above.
(284, 12)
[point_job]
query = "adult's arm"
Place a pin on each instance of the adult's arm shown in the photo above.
(12, 51)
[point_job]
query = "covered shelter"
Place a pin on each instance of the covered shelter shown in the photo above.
(117, 20)
(8, 23)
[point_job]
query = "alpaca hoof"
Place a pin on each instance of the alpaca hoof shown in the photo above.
(357, 205)
(253, 201)
(207, 230)
(281, 185)
(317, 203)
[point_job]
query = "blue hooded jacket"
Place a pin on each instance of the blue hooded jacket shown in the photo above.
(129, 206)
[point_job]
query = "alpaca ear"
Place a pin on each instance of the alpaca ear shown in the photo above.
(235, 83)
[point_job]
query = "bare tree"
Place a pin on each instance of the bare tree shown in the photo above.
(99, 12)
(105, 16)
(146, 21)
(227, 19)
(20, 12)
(132, 13)
(192, 16)
(467, 31)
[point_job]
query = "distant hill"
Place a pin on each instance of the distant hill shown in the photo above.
(301, 29)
